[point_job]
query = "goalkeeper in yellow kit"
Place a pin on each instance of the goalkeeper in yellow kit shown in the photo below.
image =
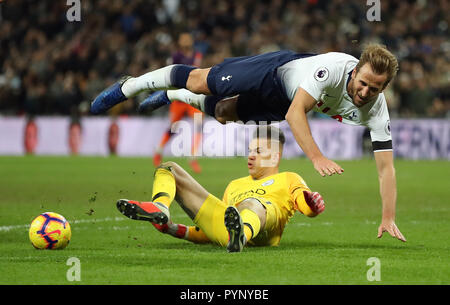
(254, 209)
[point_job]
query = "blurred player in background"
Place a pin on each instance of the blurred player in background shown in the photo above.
(185, 55)
(254, 209)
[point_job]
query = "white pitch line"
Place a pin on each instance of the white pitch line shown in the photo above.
(76, 221)
(14, 227)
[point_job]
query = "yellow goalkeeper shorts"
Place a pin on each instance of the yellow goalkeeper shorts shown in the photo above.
(210, 218)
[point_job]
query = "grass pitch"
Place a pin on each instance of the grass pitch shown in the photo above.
(330, 249)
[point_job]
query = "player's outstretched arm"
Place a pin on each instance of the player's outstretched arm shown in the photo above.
(308, 203)
(297, 120)
(315, 202)
(388, 191)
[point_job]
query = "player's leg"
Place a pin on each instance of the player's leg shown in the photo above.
(190, 233)
(190, 194)
(244, 107)
(170, 176)
(225, 79)
(171, 179)
(230, 78)
(223, 109)
(172, 182)
(156, 211)
(206, 210)
(197, 117)
(161, 98)
(176, 113)
(244, 223)
(253, 214)
(169, 77)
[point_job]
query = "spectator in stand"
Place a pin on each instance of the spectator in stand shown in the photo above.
(37, 43)
(187, 55)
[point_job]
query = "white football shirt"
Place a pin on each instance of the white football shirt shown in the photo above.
(325, 78)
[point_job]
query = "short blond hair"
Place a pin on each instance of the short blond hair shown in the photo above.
(269, 132)
(381, 61)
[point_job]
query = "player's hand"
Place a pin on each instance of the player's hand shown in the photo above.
(326, 167)
(391, 228)
(314, 201)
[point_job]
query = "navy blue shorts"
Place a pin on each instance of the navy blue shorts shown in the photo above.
(254, 79)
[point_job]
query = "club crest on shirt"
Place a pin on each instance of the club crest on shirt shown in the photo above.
(353, 115)
(268, 182)
(321, 74)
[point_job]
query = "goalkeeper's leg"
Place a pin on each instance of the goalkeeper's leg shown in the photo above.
(190, 233)
(244, 223)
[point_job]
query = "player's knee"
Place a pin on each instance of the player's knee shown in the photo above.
(254, 205)
(168, 165)
(196, 81)
(181, 178)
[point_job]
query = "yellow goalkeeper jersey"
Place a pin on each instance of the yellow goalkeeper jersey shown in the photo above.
(283, 189)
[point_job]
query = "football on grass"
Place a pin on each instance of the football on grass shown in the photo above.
(50, 231)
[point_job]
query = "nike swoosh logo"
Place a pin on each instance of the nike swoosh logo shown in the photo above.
(53, 232)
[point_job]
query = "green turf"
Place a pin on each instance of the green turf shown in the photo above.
(330, 249)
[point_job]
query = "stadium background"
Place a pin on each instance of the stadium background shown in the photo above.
(51, 68)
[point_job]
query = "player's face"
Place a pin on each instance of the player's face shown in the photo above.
(262, 157)
(366, 85)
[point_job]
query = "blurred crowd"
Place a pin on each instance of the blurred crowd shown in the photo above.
(49, 65)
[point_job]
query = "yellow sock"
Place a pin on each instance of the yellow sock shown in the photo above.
(164, 186)
(252, 224)
(196, 235)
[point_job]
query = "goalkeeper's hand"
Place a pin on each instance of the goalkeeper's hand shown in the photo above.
(315, 201)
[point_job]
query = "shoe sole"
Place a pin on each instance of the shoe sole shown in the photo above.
(235, 228)
(135, 212)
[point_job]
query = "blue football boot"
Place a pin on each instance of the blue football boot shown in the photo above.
(109, 97)
(154, 101)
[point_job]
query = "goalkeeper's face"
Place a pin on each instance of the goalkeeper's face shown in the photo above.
(263, 157)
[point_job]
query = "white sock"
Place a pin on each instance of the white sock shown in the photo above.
(176, 230)
(154, 80)
(195, 100)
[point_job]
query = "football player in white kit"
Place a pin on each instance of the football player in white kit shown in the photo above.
(284, 85)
